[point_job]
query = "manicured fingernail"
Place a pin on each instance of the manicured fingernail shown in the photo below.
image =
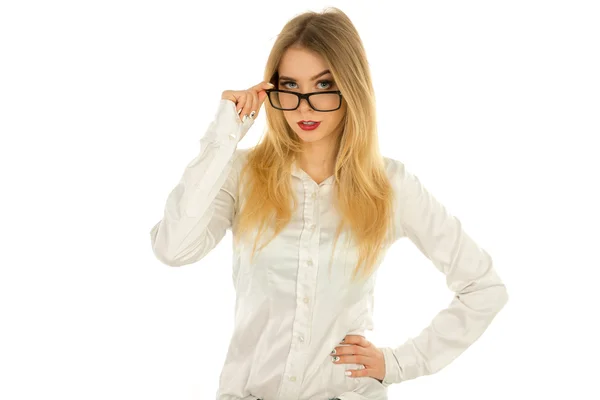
(343, 340)
(239, 111)
(252, 114)
(336, 358)
(333, 351)
(348, 373)
(245, 118)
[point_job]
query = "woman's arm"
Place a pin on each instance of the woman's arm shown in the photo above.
(479, 292)
(201, 207)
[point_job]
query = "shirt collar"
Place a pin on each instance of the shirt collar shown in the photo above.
(300, 173)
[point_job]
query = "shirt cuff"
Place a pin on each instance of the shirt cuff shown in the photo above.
(399, 363)
(227, 126)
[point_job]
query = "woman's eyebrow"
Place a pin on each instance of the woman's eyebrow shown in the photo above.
(312, 79)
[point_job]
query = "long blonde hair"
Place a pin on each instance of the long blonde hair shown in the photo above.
(363, 194)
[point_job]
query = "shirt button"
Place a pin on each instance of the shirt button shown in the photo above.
(312, 227)
(310, 263)
(301, 338)
(305, 300)
(293, 378)
(314, 195)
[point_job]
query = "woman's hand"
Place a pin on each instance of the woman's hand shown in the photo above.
(360, 351)
(248, 102)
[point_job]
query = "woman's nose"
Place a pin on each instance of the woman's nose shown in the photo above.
(304, 105)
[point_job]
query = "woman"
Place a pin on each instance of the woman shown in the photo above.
(313, 208)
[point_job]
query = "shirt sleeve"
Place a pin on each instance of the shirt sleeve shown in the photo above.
(479, 292)
(201, 207)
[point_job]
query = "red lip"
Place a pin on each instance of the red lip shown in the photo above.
(308, 127)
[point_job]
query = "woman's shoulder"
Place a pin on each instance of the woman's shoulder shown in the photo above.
(394, 168)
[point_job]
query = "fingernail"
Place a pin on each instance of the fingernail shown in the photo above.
(343, 340)
(245, 118)
(252, 114)
(333, 351)
(239, 111)
(348, 373)
(336, 358)
(270, 84)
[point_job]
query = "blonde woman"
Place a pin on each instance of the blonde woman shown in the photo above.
(313, 208)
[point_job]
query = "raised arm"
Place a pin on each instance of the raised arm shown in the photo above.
(200, 208)
(479, 292)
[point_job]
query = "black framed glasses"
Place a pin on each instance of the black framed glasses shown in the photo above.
(319, 101)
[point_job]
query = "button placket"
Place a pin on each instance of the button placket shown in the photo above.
(305, 287)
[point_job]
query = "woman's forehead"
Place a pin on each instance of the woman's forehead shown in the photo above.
(301, 64)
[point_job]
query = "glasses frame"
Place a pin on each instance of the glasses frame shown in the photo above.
(303, 96)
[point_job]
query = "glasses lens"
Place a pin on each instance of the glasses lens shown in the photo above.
(284, 101)
(320, 101)
(325, 101)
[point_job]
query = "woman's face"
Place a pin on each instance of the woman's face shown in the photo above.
(297, 69)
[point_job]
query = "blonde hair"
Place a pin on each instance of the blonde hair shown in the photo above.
(363, 195)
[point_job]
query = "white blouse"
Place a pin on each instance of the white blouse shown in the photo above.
(291, 310)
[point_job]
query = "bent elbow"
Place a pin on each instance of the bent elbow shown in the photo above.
(503, 297)
(167, 259)
(176, 254)
(161, 250)
(497, 297)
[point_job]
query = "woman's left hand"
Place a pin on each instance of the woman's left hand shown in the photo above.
(360, 351)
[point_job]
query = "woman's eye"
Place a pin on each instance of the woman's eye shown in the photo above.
(285, 84)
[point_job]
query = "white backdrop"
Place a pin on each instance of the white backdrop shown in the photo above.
(493, 105)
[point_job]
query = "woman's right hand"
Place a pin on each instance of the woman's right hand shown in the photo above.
(248, 102)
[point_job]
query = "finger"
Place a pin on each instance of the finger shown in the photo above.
(355, 373)
(352, 349)
(262, 96)
(250, 103)
(247, 104)
(240, 105)
(255, 105)
(263, 85)
(362, 341)
(357, 339)
(365, 360)
(353, 359)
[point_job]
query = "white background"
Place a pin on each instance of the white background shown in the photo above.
(494, 105)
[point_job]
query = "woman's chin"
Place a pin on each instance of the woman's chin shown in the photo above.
(308, 136)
